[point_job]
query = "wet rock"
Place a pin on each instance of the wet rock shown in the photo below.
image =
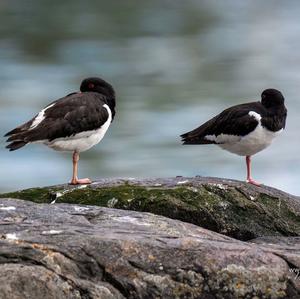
(233, 208)
(72, 251)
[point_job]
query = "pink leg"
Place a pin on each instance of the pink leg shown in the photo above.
(75, 180)
(249, 178)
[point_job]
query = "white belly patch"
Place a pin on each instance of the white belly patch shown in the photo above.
(247, 145)
(82, 141)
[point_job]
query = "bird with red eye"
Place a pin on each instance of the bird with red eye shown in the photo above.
(73, 123)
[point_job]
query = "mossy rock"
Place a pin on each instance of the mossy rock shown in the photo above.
(233, 208)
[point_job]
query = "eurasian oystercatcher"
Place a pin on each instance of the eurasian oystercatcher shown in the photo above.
(244, 129)
(74, 123)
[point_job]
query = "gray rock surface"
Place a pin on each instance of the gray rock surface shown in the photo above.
(73, 251)
(229, 207)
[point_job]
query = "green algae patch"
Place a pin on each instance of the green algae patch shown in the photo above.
(221, 208)
(284, 217)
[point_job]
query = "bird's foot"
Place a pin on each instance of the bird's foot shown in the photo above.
(80, 181)
(251, 181)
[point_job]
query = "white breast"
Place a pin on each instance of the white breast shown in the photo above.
(252, 143)
(82, 141)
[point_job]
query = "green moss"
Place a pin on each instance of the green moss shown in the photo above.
(285, 219)
(220, 208)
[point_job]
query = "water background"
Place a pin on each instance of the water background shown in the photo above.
(174, 64)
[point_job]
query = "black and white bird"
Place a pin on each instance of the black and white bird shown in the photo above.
(244, 129)
(73, 123)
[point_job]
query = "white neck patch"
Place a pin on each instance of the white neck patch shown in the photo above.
(256, 115)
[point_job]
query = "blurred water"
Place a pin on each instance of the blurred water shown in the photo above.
(174, 64)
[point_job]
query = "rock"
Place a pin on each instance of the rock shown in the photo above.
(233, 208)
(75, 251)
(288, 248)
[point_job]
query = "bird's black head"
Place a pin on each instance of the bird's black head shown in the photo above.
(272, 98)
(95, 84)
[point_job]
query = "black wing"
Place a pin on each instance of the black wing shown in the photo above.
(232, 121)
(67, 116)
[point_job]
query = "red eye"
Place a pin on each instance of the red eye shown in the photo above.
(91, 86)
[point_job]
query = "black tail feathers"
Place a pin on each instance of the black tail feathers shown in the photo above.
(16, 145)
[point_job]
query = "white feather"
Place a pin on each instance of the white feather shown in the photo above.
(223, 138)
(256, 115)
(40, 117)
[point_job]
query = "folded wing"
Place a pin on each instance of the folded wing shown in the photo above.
(234, 121)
